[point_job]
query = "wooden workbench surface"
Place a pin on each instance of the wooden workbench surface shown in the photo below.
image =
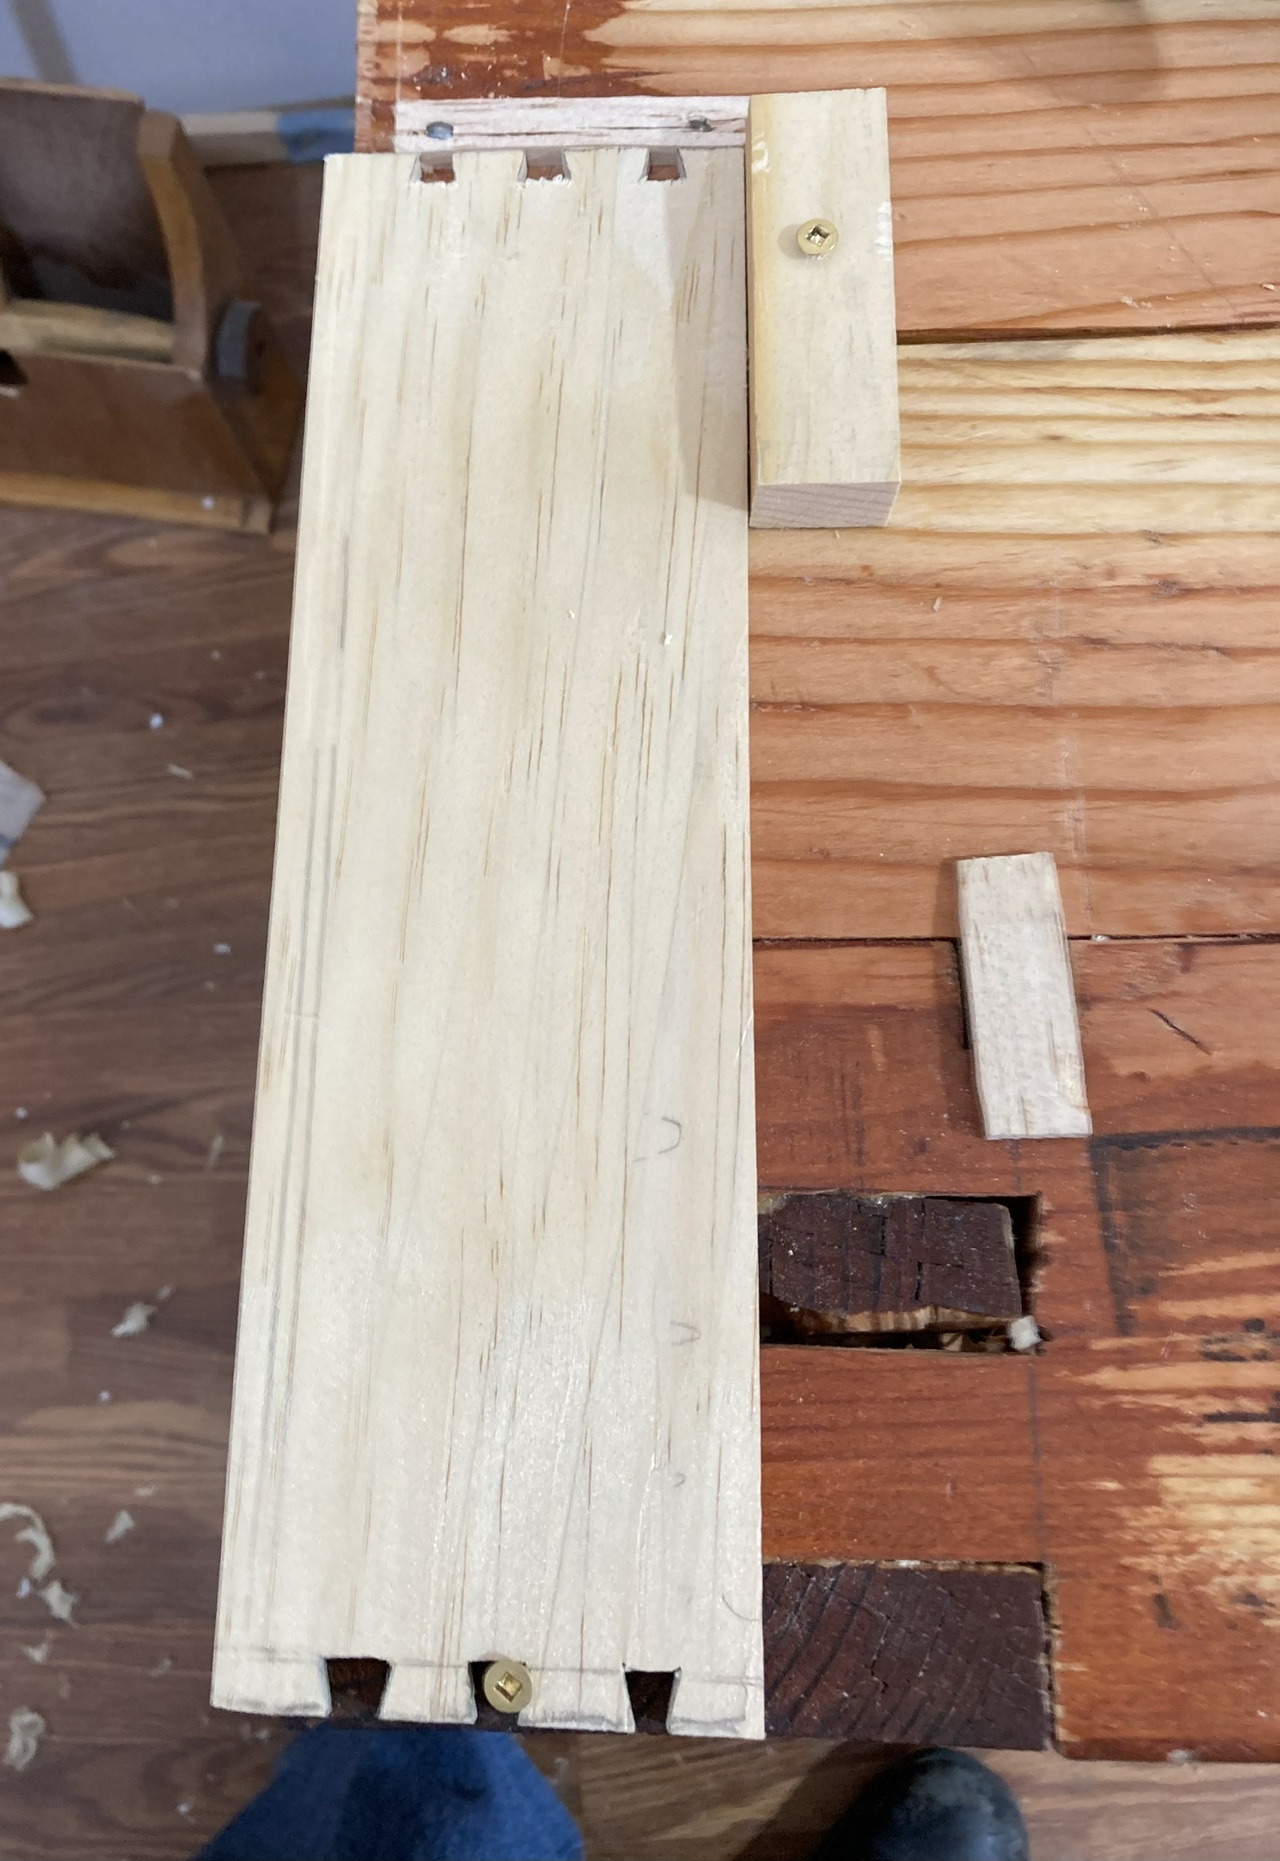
(1064, 640)
(118, 1014)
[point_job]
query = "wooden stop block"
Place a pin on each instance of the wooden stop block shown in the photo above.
(824, 372)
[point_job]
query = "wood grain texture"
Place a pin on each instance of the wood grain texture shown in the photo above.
(650, 1800)
(120, 1017)
(561, 862)
(964, 689)
(886, 1654)
(906, 1656)
(1146, 1422)
(571, 123)
(1020, 998)
(1072, 164)
(823, 363)
(841, 1263)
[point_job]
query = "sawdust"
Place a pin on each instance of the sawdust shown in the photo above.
(47, 1164)
(120, 1527)
(40, 1652)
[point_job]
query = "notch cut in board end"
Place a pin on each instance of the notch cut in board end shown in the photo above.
(1020, 995)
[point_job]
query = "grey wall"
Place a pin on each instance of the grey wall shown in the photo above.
(186, 55)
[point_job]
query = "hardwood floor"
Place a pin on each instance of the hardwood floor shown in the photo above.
(120, 1012)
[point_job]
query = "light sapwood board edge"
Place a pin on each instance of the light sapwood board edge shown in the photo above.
(497, 1370)
(1020, 996)
(570, 123)
(824, 395)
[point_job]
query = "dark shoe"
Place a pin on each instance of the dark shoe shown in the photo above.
(932, 1806)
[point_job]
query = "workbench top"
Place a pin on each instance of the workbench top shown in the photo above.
(1065, 641)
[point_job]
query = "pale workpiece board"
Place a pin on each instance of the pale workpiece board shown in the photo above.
(496, 1386)
(824, 380)
(1020, 996)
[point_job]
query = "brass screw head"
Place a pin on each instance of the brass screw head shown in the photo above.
(816, 237)
(507, 1684)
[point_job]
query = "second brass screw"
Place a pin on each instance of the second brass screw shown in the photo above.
(816, 237)
(507, 1685)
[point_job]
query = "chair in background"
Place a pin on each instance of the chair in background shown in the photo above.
(136, 373)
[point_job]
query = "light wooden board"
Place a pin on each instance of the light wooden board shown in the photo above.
(1021, 998)
(1169, 433)
(572, 123)
(497, 1365)
(824, 399)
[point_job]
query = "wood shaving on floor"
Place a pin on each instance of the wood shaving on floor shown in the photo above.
(19, 800)
(136, 1319)
(59, 1601)
(14, 909)
(121, 1525)
(47, 1164)
(36, 1535)
(26, 1728)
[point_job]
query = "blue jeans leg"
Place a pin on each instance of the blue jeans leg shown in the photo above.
(422, 1793)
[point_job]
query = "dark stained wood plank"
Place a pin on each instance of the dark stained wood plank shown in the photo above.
(840, 1263)
(1058, 166)
(914, 1657)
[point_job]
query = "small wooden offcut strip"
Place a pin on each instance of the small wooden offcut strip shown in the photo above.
(462, 123)
(845, 1263)
(824, 383)
(896, 1655)
(1021, 998)
(496, 1370)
